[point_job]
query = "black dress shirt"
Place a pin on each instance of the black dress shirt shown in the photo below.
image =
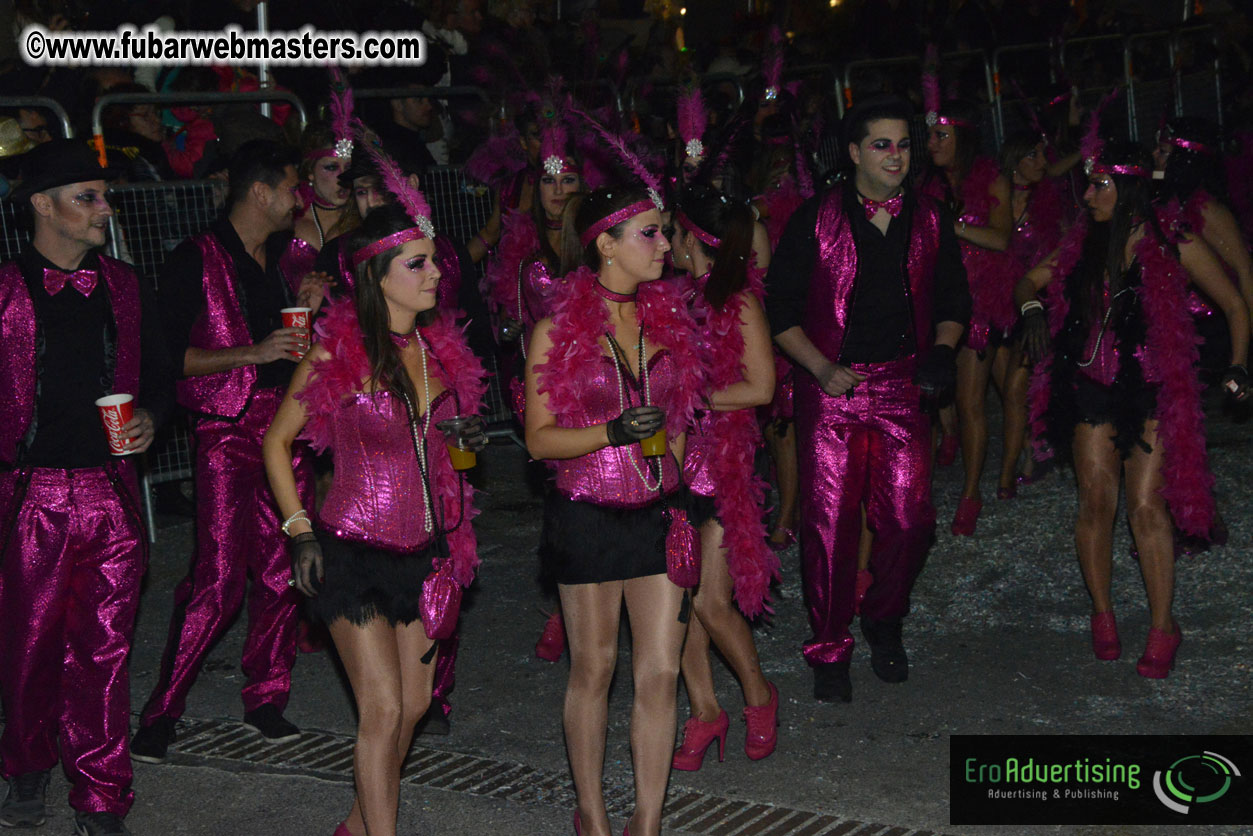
(880, 325)
(262, 294)
(76, 343)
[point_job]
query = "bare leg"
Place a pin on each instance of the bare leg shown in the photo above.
(717, 617)
(1012, 382)
(781, 436)
(591, 612)
(698, 674)
(972, 391)
(653, 604)
(392, 689)
(1098, 469)
(1151, 526)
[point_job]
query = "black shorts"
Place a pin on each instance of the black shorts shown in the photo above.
(586, 543)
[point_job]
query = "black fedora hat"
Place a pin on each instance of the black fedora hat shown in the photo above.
(59, 163)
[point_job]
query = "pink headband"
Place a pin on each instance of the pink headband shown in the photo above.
(624, 214)
(934, 118)
(701, 235)
(382, 245)
(554, 165)
(1191, 145)
(1127, 170)
(320, 153)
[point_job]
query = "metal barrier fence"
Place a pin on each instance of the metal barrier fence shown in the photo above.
(42, 103)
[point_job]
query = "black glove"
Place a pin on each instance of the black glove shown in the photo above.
(510, 330)
(937, 373)
(1036, 339)
(635, 424)
(1236, 382)
(465, 433)
(306, 562)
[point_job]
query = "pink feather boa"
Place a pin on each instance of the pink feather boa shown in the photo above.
(340, 375)
(580, 317)
(519, 242)
(1170, 356)
(741, 494)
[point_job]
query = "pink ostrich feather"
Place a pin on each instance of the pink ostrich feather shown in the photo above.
(410, 198)
(625, 155)
(1091, 144)
(772, 69)
(931, 79)
(692, 117)
(343, 123)
(497, 159)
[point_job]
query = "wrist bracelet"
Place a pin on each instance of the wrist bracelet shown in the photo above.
(296, 517)
(1031, 305)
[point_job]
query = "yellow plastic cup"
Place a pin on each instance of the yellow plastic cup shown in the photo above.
(655, 444)
(462, 459)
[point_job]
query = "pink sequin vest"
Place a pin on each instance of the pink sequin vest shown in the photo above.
(18, 331)
(830, 295)
(220, 325)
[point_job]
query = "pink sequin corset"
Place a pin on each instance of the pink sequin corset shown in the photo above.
(376, 495)
(297, 260)
(1105, 357)
(701, 444)
(607, 476)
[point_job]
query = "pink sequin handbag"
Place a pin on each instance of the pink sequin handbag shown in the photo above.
(441, 602)
(682, 550)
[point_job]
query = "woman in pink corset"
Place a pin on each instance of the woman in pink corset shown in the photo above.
(615, 362)
(379, 389)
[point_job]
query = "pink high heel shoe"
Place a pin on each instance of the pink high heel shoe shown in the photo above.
(578, 825)
(763, 727)
(697, 737)
(342, 830)
(553, 640)
(967, 516)
(1105, 643)
(946, 454)
(789, 537)
(1159, 654)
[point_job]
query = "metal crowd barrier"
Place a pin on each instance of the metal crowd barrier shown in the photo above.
(42, 103)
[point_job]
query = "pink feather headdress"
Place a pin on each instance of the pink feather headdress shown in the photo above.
(931, 99)
(692, 121)
(553, 142)
(627, 158)
(408, 196)
(1091, 145)
(772, 69)
(343, 123)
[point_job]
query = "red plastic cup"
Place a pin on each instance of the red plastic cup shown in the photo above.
(116, 411)
(299, 318)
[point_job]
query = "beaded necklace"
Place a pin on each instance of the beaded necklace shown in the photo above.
(419, 444)
(618, 363)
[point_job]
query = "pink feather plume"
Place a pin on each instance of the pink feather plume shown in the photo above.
(633, 163)
(931, 79)
(410, 198)
(692, 118)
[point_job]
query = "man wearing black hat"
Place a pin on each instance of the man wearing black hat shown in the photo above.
(75, 326)
(223, 294)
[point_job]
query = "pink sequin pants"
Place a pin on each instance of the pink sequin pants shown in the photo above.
(238, 538)
(871, 449)
(69, 588)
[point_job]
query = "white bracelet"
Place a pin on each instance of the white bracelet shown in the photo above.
(1031, 305)
(296, 517)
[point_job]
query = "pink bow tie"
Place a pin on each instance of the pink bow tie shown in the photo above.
(892, 205)
(84, 281)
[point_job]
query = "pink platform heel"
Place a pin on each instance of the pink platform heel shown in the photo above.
(1105, 643)
(342, 830)
(1159, 654)
(697, 737)
(763, 727)
(967, 516)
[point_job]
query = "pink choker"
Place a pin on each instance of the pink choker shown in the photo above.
(612, 295)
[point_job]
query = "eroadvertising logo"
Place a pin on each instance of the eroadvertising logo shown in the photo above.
(1100, 779)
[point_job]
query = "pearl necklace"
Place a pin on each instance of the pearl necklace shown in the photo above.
(419, 444)
(521, 342)
(622, 402)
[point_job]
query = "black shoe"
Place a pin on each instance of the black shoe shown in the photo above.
(831, 682)
(887, 653)
(99, 824)
(268, 722)
(24, 804)
(150, 743)
(435, 722)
